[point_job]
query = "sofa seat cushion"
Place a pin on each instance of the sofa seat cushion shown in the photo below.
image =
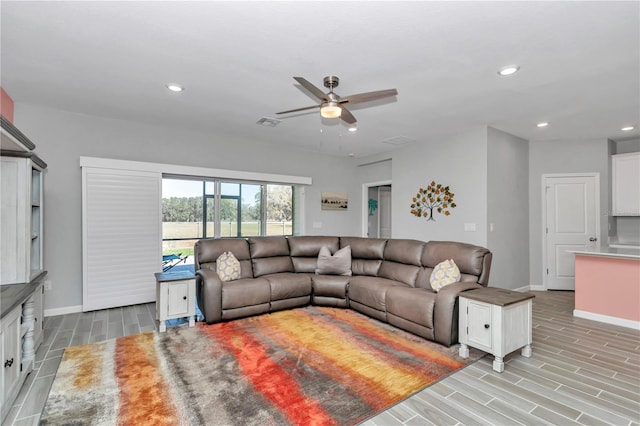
(371, 291)
(412, 304)
(245, 292)
(288, 285)
(330, 285)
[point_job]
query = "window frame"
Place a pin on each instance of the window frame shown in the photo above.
(217, 196)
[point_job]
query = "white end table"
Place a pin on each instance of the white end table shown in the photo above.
(497, 321)
(175, 297)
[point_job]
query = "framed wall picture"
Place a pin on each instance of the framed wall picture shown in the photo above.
(333, 200)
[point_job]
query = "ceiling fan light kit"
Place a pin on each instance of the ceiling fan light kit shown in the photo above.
(330, 110)
(334, 106)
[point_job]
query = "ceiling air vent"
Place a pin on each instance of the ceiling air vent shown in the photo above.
(399, 141)
(269, 122)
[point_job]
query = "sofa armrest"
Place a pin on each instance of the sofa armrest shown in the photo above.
(445, 312)
(209, 295)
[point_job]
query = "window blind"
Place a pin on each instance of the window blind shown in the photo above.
(121, 235)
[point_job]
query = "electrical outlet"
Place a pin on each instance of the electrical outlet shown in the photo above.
(48, 285)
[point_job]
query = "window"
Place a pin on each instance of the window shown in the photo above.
(182, 216)
(279, 210)
(195, 208)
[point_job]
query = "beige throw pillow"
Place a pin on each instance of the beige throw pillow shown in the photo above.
(338, 264)
(445, 273)
(228, 267)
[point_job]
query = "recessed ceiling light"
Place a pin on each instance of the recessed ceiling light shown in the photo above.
(353, 129)
(509, 70)
(543, 124)
(627, 128)
(175, 87)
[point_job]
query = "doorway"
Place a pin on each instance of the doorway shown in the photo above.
(571, 221)
(376, 210)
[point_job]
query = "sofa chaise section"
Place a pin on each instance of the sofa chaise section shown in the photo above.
(434, 315)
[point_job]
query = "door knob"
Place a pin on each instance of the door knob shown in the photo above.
(592, 239)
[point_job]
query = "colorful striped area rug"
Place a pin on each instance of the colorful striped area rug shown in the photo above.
(307, 366)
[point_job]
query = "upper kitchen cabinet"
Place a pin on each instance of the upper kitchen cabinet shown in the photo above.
(625, 171)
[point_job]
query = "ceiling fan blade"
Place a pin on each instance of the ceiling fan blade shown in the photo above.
(346, 116)
(311, 88)
(298, 109)
(368, 96)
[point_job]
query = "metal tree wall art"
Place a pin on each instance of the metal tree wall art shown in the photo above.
(436, 197)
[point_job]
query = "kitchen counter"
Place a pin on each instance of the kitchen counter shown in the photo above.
(607, 286)
(608, 251)
(12, 295)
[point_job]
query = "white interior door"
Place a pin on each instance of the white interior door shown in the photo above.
(572, 222)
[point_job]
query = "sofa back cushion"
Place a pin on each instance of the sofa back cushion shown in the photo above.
(270, 255)
(473, 261)
(366, 254)
(206, 252)
(402, 260)
(304, 251)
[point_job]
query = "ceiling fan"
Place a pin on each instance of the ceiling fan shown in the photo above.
(334, 106)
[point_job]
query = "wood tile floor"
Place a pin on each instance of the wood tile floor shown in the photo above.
(581, 372)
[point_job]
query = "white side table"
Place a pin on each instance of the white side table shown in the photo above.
(175, 297)
(497, 321)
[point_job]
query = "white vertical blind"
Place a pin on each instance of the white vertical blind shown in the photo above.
(121, 236)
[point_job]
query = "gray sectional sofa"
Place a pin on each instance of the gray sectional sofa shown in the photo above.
(389, 281)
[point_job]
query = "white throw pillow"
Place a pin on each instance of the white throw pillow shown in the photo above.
(338, 264)
(445, 273)
(228, 267)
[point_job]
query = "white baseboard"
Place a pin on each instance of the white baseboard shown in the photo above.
(522, 289)
(607, 319)
(62, 311)
(537, 288)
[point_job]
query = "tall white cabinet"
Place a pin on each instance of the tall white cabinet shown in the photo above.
(21, 215)
(21, 260)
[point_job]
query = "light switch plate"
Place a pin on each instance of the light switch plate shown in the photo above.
(469, 227)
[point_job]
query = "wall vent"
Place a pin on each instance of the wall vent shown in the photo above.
(399, 141)
(269, 122)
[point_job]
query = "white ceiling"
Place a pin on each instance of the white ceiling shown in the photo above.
(580, 66)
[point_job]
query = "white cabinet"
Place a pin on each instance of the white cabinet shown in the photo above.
(20, 336)
(625, 181)
(21, 217)
(497, 321)
(11, 354)
(175, 297)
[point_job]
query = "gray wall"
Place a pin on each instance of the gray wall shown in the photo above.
(563, 156)
(630, 145)
(508, 209)
(63, 137)
(459, 161)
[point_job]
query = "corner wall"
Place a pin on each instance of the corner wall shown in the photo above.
(508, 209)
(459, 161)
